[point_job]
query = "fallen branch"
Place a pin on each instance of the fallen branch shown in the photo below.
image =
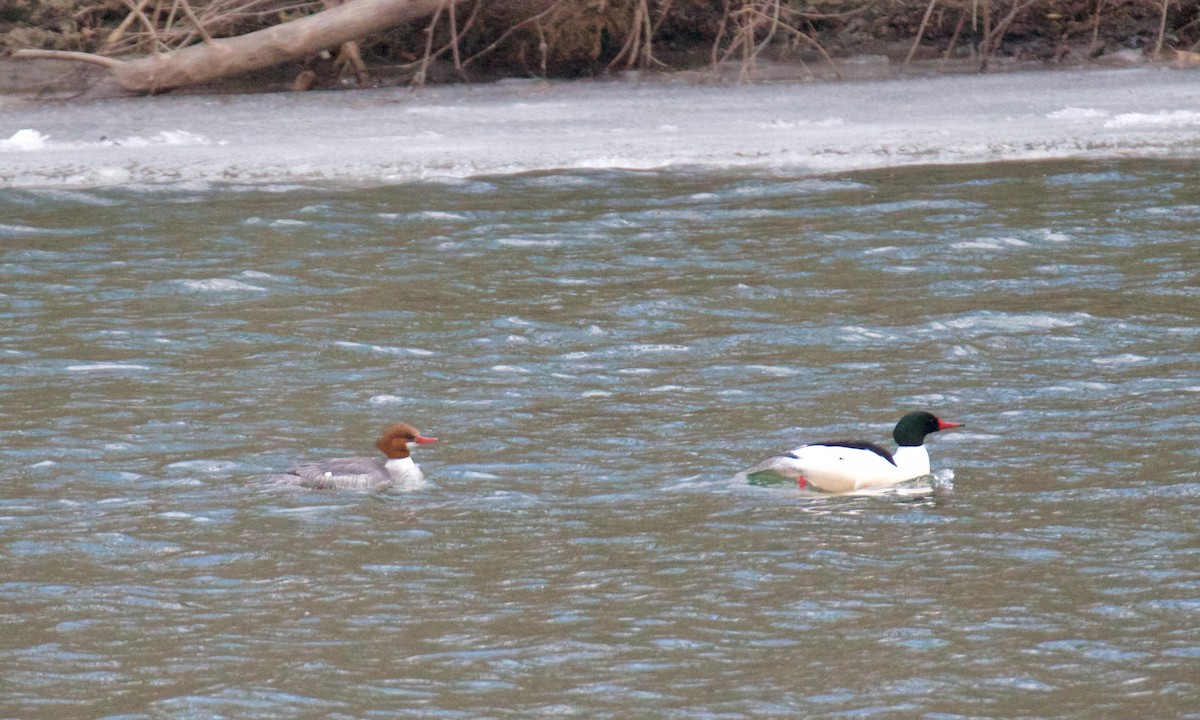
(277, 44)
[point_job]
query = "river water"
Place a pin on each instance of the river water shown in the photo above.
(599, 353)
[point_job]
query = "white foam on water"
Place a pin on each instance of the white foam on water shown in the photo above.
(107, 367)
(220, 285)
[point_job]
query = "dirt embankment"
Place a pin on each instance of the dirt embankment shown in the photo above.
(746, 40)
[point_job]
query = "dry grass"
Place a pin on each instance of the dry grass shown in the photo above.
(162, 25)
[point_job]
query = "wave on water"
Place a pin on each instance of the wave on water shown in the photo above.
(106, 367)
(220, 285)
(383, 349)
(939, 482)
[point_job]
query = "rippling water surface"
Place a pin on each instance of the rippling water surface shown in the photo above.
(599, 354)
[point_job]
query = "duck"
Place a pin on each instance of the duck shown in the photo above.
(367, 473)
(840, 466)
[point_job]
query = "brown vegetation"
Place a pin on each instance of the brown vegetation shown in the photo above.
(486, 39)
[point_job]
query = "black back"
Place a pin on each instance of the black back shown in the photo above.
(861, 445)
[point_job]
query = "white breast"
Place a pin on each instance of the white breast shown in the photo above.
(405, 474)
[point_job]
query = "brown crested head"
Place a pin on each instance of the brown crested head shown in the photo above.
(395, 439)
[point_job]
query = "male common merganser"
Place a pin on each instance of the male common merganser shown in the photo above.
(841, 466)
(366, 473)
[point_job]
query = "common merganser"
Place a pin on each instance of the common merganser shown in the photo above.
(366, 473)
(840, 466)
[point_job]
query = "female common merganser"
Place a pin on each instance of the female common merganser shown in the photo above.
(840, 466)
(366, 473)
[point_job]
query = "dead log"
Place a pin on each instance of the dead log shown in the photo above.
(223, 57)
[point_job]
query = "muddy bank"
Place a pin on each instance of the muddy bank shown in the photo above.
(45, 79)
(735, 42)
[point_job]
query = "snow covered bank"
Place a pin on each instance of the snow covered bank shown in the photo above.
(388, 136)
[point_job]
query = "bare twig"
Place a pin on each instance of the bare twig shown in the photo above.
(991, 40)
(543, 47)
(987, 31)
(920, 33)
(647, 54)
(638, 49)
(632, 47)
(33, 54)
(187, 10)
(663, 10)
(170, 21)
(720, 34)
(958, 28)
(774, 23)
(418, 78)
(454, 41)
(762, 15)
(150, 28)
(1162, 29)
(509, 32)
(452, 46)
(120, 31)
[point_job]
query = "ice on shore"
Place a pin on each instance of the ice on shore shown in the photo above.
(397, 135)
